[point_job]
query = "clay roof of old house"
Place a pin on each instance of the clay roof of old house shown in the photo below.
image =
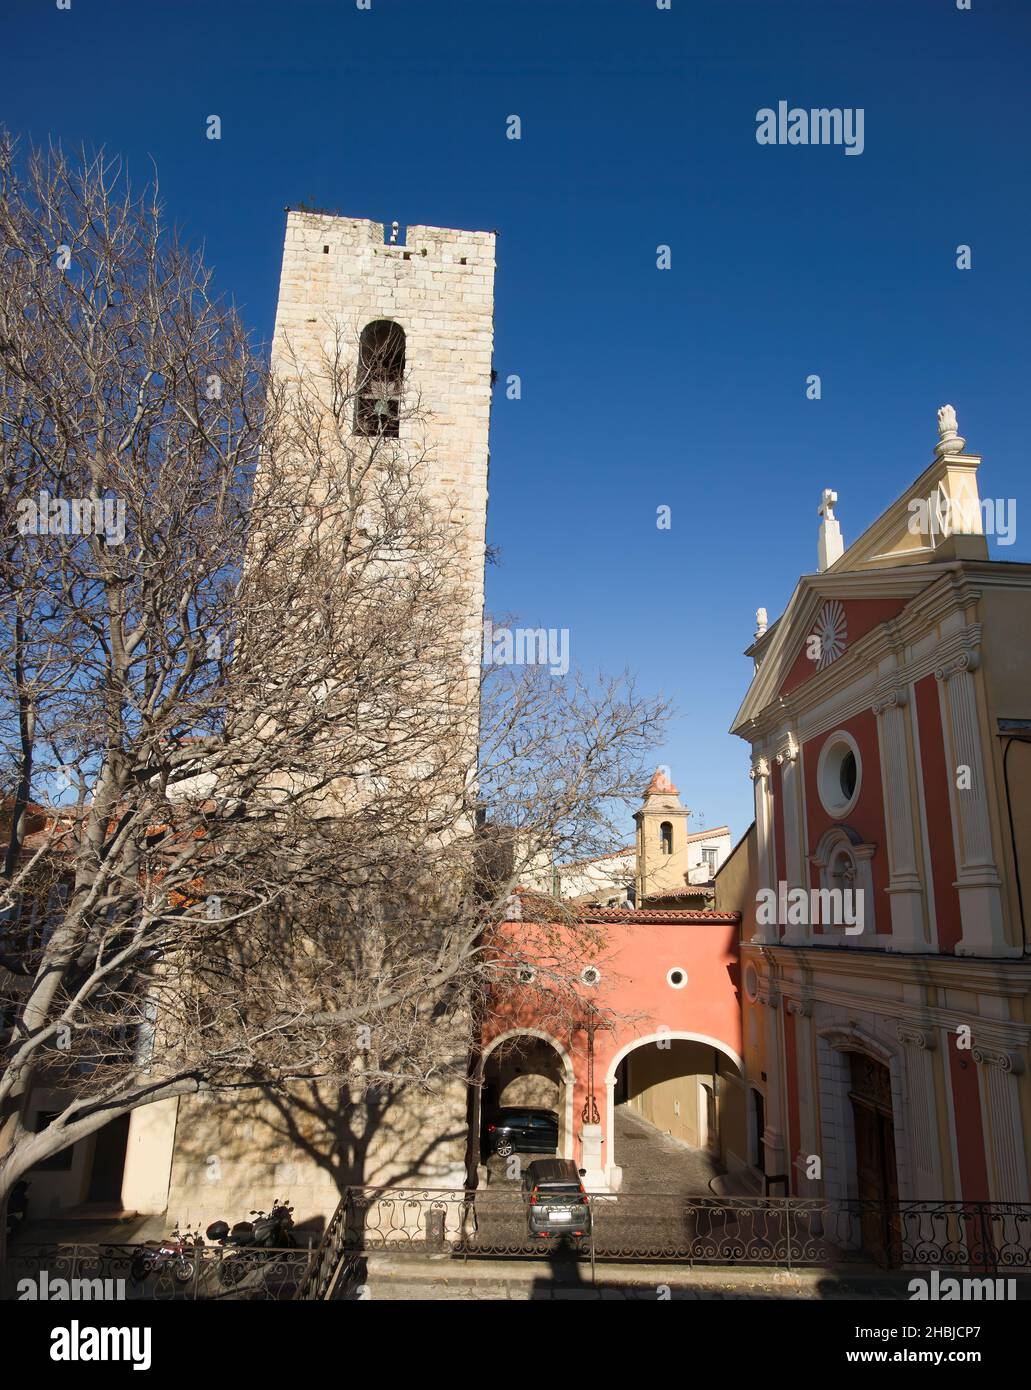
(630, 915)
(692, 890)
(537, 907)
(708, 834)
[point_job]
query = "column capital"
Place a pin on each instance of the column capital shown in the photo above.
(968, 660)
(915, 1036)
(895, 698)
(1010, 1062)
(760, 768)
(789, 752)
(769, 992)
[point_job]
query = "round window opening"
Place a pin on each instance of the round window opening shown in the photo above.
(839, 774)
(751, 982)
(848, 775)
(676, 978)
(590, 975)
(526, 974)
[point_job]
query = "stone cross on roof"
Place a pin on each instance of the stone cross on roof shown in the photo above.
(830, 547)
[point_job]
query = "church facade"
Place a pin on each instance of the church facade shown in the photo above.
(884, 885)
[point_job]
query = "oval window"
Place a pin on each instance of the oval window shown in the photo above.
(839, 774)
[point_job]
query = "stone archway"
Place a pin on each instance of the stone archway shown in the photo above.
(684, 1084)
(527, 1066)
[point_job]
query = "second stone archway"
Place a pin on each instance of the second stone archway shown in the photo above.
(686, 1085)
(522, 1070)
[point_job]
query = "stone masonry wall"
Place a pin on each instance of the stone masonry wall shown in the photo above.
(338, 276)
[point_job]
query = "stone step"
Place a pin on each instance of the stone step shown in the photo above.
(396, 1278)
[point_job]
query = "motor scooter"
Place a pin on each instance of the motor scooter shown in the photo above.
(249, 1242)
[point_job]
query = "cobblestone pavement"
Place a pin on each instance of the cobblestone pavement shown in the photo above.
(653, 1162)
(654, 1165)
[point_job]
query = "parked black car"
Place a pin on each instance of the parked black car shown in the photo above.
(515, 1129)
(556, 1202)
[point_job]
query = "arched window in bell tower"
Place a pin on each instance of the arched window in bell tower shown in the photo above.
(381, 369)
(666, 837)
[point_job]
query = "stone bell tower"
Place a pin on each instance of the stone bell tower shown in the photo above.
(662, 827)
(428, 294)
(422, 304)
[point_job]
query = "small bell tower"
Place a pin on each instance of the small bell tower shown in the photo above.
(662, 830)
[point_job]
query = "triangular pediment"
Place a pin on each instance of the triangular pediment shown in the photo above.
(838, 608)
(896, 557)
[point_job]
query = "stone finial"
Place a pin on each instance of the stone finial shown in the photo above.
(395, 227)
(831, 546)
(761, 622)
(949, 441)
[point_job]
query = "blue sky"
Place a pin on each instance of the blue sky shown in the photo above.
(640, 387)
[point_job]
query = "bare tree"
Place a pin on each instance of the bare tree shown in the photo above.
(248, 812)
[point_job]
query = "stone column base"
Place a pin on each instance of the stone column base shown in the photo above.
(595, 1177)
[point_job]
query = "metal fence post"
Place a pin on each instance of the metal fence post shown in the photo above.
(991, 1258)
(590, 1210)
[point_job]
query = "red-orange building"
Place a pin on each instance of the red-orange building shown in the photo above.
(658, 1030)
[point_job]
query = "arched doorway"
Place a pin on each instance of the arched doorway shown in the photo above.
(526, 1067)
(683, 1085)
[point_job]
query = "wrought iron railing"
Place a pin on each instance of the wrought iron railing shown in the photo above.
(787, 1233)
(795, 1232)
(337, 1261)
(85, 1272)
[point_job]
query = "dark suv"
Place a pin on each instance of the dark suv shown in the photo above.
(557, 1204)
(515, 1129)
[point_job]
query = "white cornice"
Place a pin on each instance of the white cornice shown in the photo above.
(805, 603)
(1006, 978)
(995, 1038)
(811, 707)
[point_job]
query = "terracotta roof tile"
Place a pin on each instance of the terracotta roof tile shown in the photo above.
(649, 914)
(536, 907)
(660, 785)
(693, 890)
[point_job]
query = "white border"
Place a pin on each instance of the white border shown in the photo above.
(838, 810)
